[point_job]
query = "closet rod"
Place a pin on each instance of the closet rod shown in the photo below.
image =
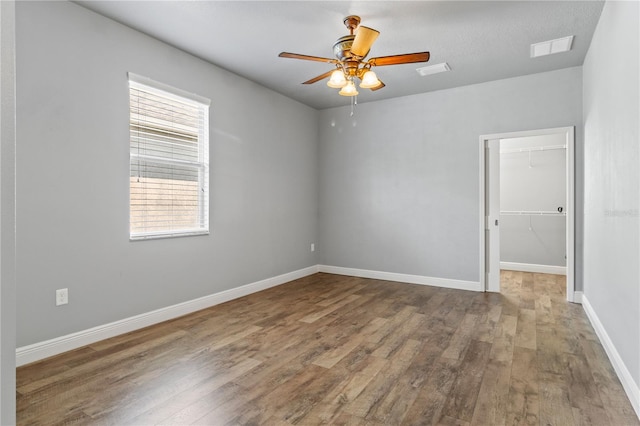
(531, 213)
(537, 148)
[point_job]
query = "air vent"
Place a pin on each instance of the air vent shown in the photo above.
(552, 46)
(433, 69)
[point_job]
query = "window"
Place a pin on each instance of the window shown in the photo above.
(169, 161)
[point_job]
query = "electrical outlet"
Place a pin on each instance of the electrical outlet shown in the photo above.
(62, 296)
(313, 247)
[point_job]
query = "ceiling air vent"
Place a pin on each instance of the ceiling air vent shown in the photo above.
(552, 46)
(433, 69)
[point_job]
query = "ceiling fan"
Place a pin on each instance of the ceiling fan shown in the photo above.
(351, 51)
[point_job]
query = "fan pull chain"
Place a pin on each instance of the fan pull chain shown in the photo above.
(354, 103)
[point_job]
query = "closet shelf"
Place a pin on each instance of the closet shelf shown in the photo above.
(533, 213)
(537, 148)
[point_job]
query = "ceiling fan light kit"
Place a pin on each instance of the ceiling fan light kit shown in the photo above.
(351, 51)
(337, 80)
(369, 80)
(349, 89)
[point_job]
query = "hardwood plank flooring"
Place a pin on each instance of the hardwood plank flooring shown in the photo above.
(329, 349)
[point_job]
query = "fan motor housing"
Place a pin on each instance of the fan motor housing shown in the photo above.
(342, 47)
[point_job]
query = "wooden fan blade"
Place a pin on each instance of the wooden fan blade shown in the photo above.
(307, 57)
(363, 41)
(407, 58)
(318, 78)
(378, 87)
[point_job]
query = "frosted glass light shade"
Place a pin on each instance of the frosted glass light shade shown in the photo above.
(369, 80)
(349, 89)
(337, 80)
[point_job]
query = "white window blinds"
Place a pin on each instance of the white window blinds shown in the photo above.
(169, 161)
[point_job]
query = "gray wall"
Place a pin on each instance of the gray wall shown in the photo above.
(533, 181)
(398, 182)
(7, 210)
(612, 187)
(73, 177)
(399, 187)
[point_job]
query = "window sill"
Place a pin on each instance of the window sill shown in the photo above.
(157, 236)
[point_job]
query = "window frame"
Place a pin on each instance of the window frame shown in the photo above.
(138, 82)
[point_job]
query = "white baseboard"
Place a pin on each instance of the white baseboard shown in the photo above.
(629, 385)
(58, 345)
(405, 278)
(530, 267)
(577, 297)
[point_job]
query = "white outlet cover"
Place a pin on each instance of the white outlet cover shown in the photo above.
(62, 296)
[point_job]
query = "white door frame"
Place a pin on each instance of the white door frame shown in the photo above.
(569, 133)
(492, 215)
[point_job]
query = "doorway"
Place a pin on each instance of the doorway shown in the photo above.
(490, 214)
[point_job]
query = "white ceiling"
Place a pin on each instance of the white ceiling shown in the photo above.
(481, 40)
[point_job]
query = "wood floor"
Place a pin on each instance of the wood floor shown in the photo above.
(330, 349)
